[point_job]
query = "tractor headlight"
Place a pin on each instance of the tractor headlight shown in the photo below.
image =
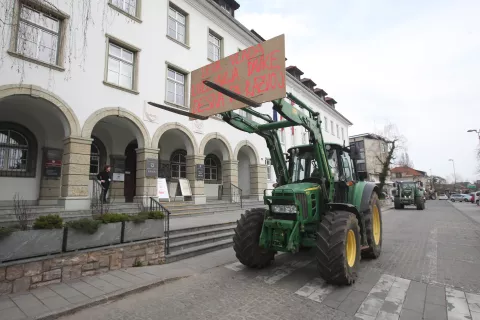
(277, 208)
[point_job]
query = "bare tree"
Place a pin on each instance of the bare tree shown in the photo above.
(405, 160)
(395, 143)
(23, 212)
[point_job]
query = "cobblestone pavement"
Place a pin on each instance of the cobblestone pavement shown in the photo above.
(428, 270)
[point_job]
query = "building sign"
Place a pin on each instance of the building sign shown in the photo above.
(151, 168)
(52, 163)
(257, 72)
(162, 189)
(118, 165)
(185, 187)
(200, 172)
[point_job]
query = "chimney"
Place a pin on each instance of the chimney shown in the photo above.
(308, 83)
(294, 71)
(321, 93)
(331, 102)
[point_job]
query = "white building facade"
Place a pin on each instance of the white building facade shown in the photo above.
(74, 98)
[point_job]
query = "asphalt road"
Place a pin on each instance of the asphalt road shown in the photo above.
(429, 269)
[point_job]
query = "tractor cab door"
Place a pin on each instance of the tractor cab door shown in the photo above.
(341, 166)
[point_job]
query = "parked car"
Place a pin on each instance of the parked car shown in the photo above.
(442, 196)
(459, 197)
(476, 197)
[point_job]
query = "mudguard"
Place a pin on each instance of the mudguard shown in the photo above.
(367, 193)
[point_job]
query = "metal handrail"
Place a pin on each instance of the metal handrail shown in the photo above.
(155, 205)
(96, 195)
(233, 191)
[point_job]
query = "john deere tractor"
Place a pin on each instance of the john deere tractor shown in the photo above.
(409, 194)
(317, 202)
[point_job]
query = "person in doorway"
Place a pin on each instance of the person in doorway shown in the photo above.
(105, 179)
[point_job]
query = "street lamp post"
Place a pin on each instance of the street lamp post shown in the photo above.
(454, 175)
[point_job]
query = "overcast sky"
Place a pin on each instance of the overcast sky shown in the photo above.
(413, 63)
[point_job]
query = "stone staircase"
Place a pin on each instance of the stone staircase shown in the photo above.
(199, 229)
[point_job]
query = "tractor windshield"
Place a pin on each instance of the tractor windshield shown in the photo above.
(304, 166)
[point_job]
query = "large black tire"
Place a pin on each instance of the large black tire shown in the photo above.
(336, 231)
(374, 229)
(247, 237)
(397, 204)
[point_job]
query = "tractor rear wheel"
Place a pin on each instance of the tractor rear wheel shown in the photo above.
(374, 229)
(338, 247)
(247, 237)
(397, 203)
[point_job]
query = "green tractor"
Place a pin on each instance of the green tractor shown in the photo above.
(408, 194)
(318, 202)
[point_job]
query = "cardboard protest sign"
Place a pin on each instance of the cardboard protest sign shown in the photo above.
(257, 72)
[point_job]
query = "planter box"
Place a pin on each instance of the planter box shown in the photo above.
(151, 228)
(30, 243)
(107, 234)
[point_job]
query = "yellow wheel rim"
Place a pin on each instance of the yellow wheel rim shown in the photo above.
(376, 225)
(351, 248)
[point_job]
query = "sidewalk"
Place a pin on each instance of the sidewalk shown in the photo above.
(55, 300)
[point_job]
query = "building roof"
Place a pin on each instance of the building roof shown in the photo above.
(294, 69)
(370, 136)
(408, 171)
(330, 99)
(320, 91)
(307, 80)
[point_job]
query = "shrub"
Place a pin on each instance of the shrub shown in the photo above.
(114, 217)
(51, 221)
(85, 225)
(5, 232)
(156, 215)
(143, 216)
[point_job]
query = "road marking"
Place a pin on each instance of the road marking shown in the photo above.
(431, 257)
(282, 271)
(316, 290)
(385, 300)
(457, 305)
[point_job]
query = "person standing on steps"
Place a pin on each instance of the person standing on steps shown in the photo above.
(105, 179)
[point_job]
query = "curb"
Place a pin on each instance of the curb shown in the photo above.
(104, 299)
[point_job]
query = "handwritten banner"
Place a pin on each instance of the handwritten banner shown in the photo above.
(257, 72)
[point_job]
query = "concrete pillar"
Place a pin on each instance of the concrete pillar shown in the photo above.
(229, 176)
(146, 186)
(258, 180)
(75, 173)
(197, 186)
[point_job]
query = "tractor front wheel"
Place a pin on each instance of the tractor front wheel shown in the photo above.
(420, 203)
(247, 237)
(338, 247)
(374, 228)
(397, 203)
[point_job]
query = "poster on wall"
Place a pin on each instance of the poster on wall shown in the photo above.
(52, 163)
(162, 189)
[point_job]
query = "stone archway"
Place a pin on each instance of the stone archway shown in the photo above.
(54, 124)
(71, 122)
(252, 176)
(179, 157)
(120, 129)
(219, 177)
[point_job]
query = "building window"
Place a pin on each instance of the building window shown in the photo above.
(326, 124)
(18, 150)
(331, 127)
(361, 167)
(214, 47)
(338, 131)
(98, 154)
(178, 164)
(176, 25)
(175, 87)
(121, 62)
(211, 167)
(343, 135)
(38, 35)
(129, 6)
(383, 147)
(268, 162)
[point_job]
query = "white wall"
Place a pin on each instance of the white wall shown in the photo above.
(85, 93)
